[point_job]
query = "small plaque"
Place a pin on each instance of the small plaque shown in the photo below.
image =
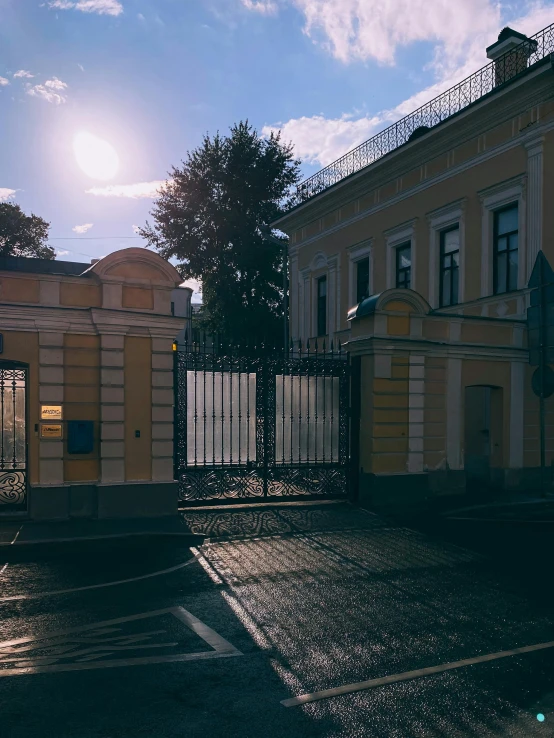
(50, 412)
(51, 430)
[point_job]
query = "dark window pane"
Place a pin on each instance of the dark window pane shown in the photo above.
(506, 220)
(454, 287)
(405, 258)
(322, 306)
(456, 259)
(501, 273)
(502, 243)
(513, 270)
(362, 279)
(446, 288)
(513, 242)
(451, 240)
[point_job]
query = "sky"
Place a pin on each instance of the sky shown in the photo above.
(100, 98)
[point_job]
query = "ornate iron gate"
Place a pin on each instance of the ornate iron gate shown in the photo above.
(257, 426)
(13, 439)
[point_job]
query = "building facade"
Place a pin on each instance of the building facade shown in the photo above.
(86, 387)
(415, 251)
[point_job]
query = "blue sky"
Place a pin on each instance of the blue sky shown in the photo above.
(150, 77)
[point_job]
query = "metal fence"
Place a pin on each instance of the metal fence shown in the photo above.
(261, 424)
(471, 89)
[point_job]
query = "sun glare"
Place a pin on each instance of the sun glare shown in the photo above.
(96, 157)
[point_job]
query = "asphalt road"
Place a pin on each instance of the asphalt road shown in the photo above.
(279, 604)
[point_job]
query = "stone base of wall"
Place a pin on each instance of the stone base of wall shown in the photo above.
(98, 501)
(437, 488)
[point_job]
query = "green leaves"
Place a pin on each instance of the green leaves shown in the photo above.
(210, 217)
(23, 235)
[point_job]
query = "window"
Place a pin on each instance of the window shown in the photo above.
(505, 249)
(404, 265)
(322, 306)
(362, 279)
(449, 265)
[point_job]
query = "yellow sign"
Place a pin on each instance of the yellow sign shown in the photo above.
(50, 412)
(51, 430)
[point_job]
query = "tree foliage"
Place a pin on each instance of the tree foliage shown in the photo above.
(211, 217)
(23, 235)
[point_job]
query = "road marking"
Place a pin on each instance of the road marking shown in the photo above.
(405, 676)
(3, 569)
(16, 536)
(91, 646)
(161, 572)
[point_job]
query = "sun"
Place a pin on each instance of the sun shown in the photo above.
(97, 158)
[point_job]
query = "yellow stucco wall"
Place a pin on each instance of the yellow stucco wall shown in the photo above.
(138, 297)
(82, 401)
(14, 289)
(23, 347)
(80, 295)
(138, 408)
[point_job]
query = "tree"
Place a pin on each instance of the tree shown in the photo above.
(23, 235)
(212, 215)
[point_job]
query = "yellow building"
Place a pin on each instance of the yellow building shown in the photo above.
(86, 386)
(437, 222)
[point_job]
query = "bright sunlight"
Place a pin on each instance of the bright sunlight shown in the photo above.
(96, 157)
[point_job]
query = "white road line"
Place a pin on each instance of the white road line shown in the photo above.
(37, 595)
(16, 536)
(222, 648)
(3, 569)
(405, 676)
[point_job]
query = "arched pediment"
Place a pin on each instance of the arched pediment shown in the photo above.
(134, 263)
(402, 300)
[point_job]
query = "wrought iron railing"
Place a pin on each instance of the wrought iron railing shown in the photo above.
(477, 85)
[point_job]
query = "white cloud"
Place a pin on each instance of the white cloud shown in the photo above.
(102, 7)
(49, 91)
(196, 287)
(23, 73)
(374, 29)
(61, 252)
(81, 67)
(6, 193)
(321, 140)
(141, 17)
(134, 191)
(265, 7)
(4, 81)
(135, 228)
(55, 84)
(82, 228)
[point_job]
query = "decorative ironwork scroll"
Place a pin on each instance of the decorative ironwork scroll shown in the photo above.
(471, 89)
(13, 440)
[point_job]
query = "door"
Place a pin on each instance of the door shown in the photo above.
(483, 437)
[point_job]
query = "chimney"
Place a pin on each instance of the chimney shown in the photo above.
(94, 261)
(510, 54)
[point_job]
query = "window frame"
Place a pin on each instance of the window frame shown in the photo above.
(321, 315)
(364, 260)
(451, 269)
(398, 269)
(495, 237)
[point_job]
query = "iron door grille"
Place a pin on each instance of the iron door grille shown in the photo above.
(13, 440)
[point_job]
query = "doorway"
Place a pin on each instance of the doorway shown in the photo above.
(483, 438)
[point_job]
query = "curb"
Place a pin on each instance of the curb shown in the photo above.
(91, 544)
